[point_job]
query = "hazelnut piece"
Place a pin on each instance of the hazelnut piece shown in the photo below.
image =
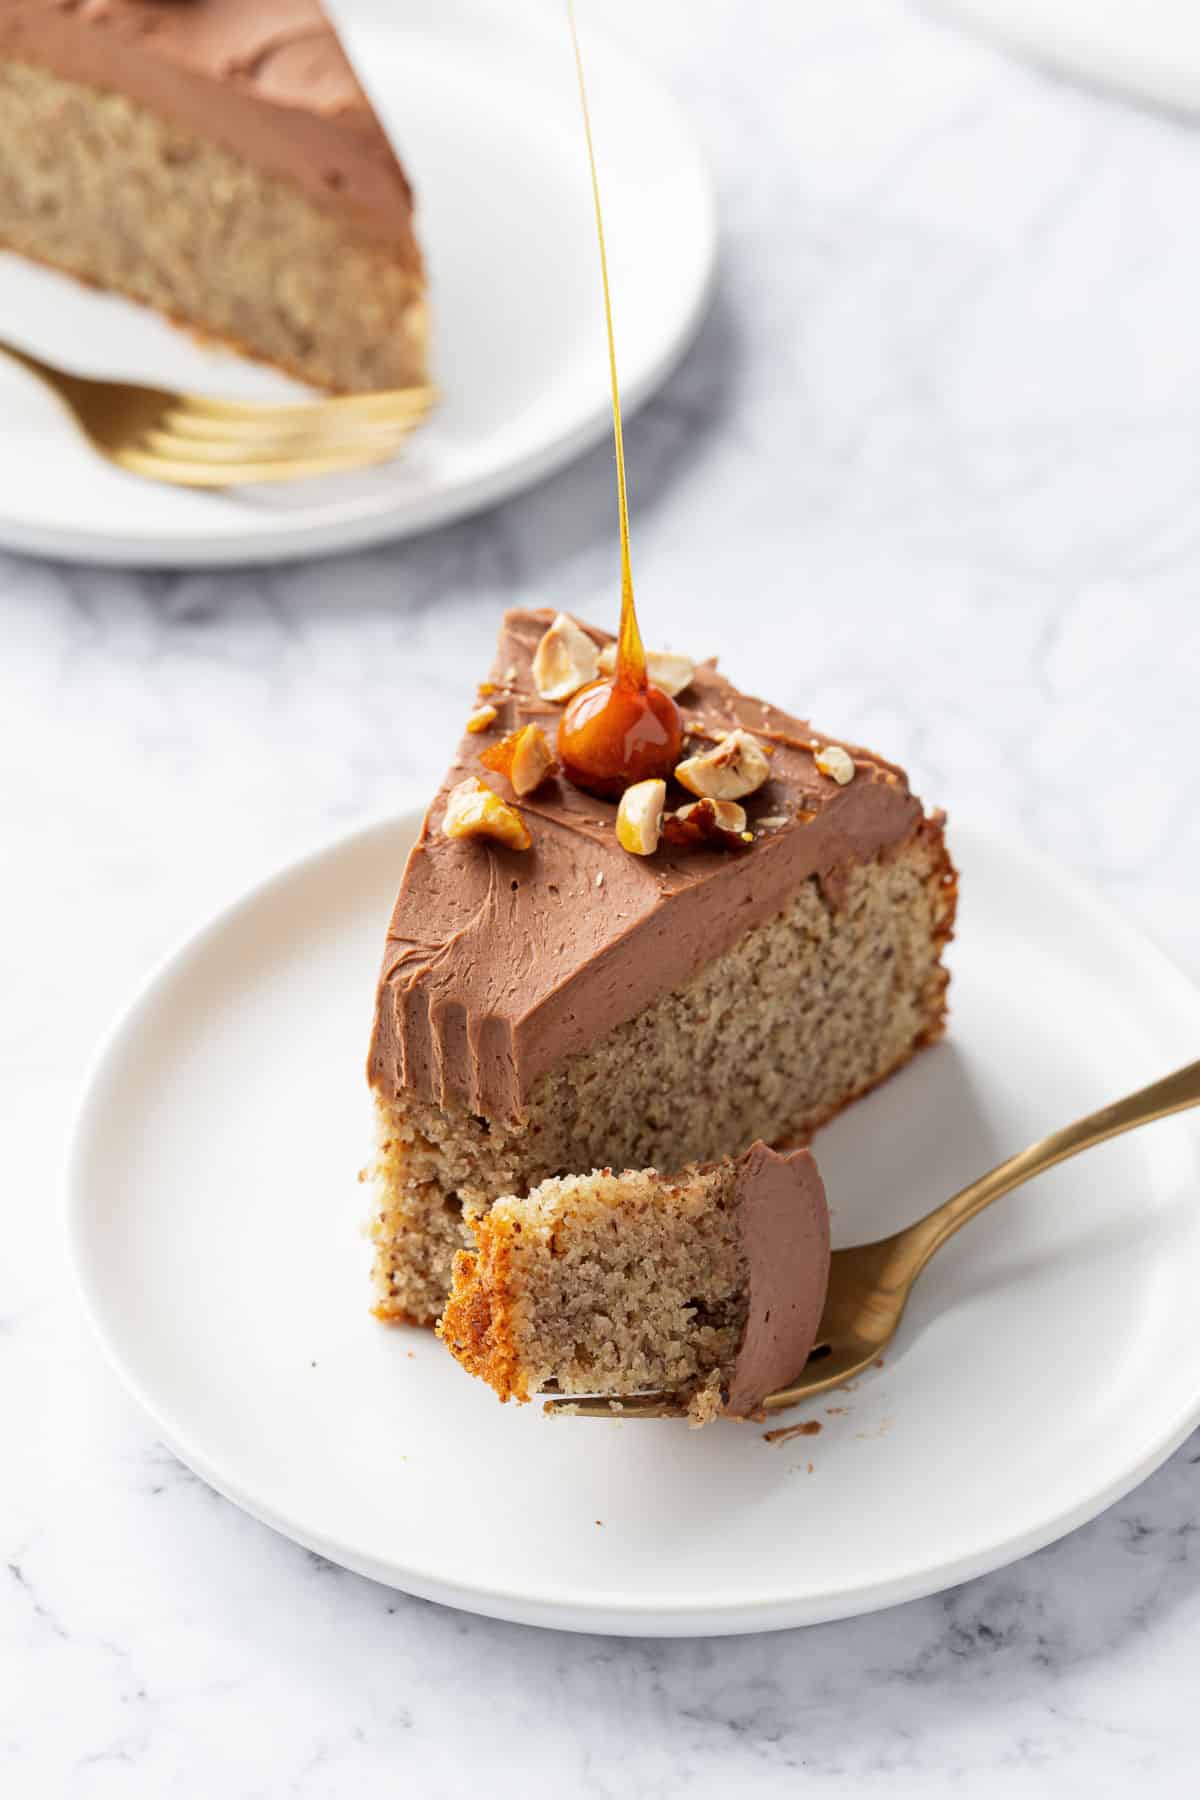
(565, 660)
(473, 810)
(639, 817)
(666, 671)
(835, 762)
(731, 769)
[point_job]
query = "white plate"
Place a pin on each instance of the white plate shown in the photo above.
(1050, 1360)
(482, 104)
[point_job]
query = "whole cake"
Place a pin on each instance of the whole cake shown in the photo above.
(573, 983)
(707, 1285)
(217, 160)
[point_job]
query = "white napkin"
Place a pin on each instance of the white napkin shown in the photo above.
(1150, 48)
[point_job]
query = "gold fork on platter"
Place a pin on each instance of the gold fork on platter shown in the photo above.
(193, 441)
(869, 1285)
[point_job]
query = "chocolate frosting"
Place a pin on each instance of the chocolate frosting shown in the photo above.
(501, 963)
(784, 1224)
(266, 79)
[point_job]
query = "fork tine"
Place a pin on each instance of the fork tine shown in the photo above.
(821, 1372)
(217, 450)
(343, 411)
(188, 470)
(276, 427)
(616, 1406)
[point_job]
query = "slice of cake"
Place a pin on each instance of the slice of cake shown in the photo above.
(552, 1003)
(708, 1284)
(217, 160)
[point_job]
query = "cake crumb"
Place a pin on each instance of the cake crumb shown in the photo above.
(807, 1428)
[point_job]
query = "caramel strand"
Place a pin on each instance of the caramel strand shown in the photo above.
(631, 657)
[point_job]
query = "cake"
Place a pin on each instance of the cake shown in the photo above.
(218, 161)
(550, 1003)
(706, 1285)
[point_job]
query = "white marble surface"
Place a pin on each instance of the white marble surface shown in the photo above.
(930, 473)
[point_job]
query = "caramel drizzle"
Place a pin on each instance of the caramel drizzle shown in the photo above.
(631, 657)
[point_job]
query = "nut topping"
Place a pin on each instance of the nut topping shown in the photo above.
(481, 718)
(532, 760)
(473, 810)
(639, 817)
(727, 815)
(565, 660)
(835, 762)
(524, 756)
(670, 673)
(721, 824)
(731, 769)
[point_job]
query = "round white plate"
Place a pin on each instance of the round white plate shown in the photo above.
(482, 105)
(1050, 1359)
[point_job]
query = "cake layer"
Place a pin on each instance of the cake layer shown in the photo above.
(265, 79)
(766, 1040)
(708, 1284)
(103, 187)
(502, 965)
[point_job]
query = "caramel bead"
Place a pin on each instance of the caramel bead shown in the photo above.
(612, 735)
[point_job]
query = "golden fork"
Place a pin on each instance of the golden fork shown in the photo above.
(196, 442)
(869, 1286)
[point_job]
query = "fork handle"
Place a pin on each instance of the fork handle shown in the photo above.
(27, 360)
(1174, 1093)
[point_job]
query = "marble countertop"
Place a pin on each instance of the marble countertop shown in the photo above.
(930, 473)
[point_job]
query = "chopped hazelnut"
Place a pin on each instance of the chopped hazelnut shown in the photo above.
(473, 810)
(835, 762)
(666, 671)
(532, 760)
(481, 718)
(726, 815)
(565, 660)
(731, 769)
(639, 817)
(718, 824)
(524, 756)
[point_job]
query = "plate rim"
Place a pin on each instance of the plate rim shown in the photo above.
(292, 540)
(580, 1613)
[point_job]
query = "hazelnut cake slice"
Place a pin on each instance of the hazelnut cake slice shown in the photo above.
(574, 983)
(707, 1285)
(216, 160)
